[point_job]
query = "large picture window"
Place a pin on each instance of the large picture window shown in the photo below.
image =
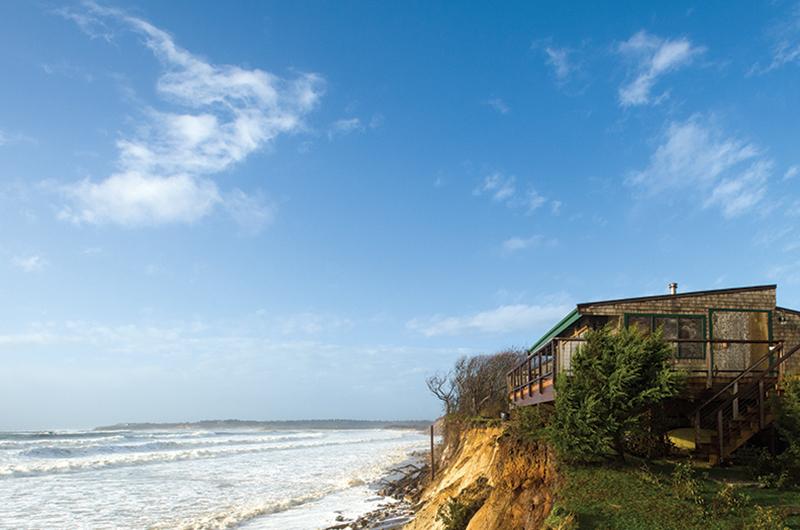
(674, 327)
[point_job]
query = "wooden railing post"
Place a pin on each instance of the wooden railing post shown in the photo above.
(761, 416)
(554, 351)
(541, 371)
(720, 434)
(697, 431)
(530, 375)
(735, 400)
(709, 368)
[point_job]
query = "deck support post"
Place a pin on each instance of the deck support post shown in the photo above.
(697, 431)
(709, 353)
(735, 401)
(720, 434)
(433, 459)
(761, 416)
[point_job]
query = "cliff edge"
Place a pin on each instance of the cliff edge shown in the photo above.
(512, 482)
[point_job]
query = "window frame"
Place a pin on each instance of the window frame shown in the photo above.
(653, 316)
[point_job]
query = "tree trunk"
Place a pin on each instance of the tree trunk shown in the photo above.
(619, 447)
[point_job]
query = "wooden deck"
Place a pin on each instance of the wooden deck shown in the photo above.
(533, 381)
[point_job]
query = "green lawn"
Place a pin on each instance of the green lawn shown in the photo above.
(631, 497)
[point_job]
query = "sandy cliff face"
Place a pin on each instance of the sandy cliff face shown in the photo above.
(519, 479)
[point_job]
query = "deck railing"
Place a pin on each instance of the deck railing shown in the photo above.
(748, 392)
(541, 367)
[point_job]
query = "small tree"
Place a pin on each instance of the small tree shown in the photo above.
(477, 385)
(444, 388)
(617, 377)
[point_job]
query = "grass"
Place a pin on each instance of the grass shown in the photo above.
(633, 497)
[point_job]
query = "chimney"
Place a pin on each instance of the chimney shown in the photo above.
(673, 288)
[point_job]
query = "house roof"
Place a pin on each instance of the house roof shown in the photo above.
(575, 314)
(565, 322)
(678, 295)
(794, 311)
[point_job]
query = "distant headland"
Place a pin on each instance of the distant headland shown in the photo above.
(271, 425)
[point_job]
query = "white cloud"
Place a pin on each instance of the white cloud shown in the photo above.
(786, 42)
(514, 244)
(791, 172)
(498, 186)
(499, 105)
(503, 189)
(558, 59)
(32, 263)
(533, 201)
(229, 113)
(695, 157)
(503, 319)
(344, 126)
(311, 323)
(135, 199)
(251, 213)
(652, 57)
(7, 138)
(739, 193)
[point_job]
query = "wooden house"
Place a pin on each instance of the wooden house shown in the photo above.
(734, 344)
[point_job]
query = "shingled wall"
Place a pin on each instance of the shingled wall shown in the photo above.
(786, 327)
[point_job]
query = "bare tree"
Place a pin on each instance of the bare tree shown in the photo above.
(477, 384)
(444, 388)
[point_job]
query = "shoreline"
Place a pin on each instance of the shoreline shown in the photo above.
(401, 490)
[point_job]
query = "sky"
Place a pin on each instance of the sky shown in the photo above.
(295, 210)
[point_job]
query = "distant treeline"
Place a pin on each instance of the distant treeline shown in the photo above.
(271, 425)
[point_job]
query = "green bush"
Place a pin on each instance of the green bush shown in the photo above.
(729, 501)
(456, 515)
(617, 379)
(530, 424)
(457, 512)
(560, 519)
(768, 519)
(685, 484)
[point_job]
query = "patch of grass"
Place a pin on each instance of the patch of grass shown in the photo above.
(657, 496)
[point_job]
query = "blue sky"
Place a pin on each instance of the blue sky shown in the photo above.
(277, 210)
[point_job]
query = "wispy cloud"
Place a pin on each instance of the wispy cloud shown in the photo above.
(517, 243)
(652, 57)
(559, 60)
(503, 319)
(791, 172)
(31, 263)
(8, 138)
(164, 167)
(312, 323)
(498, 186)
(344, 126)
(251, 212)
(503, 189)
(786, 42)
(696, 157)
(499, 105)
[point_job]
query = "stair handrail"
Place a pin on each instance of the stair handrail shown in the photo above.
(739, 392)
(749, 369)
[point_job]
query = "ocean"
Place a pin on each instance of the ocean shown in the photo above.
(252, 479)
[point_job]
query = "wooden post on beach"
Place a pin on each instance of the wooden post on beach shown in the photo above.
(433, 460)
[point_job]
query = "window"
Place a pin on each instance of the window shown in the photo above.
(675, 327)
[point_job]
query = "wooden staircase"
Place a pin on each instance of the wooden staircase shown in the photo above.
(742, 408)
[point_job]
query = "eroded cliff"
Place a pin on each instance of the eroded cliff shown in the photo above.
(515, 479)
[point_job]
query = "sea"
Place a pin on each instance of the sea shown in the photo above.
(196, 479)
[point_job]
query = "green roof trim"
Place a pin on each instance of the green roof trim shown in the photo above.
(565, 322)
